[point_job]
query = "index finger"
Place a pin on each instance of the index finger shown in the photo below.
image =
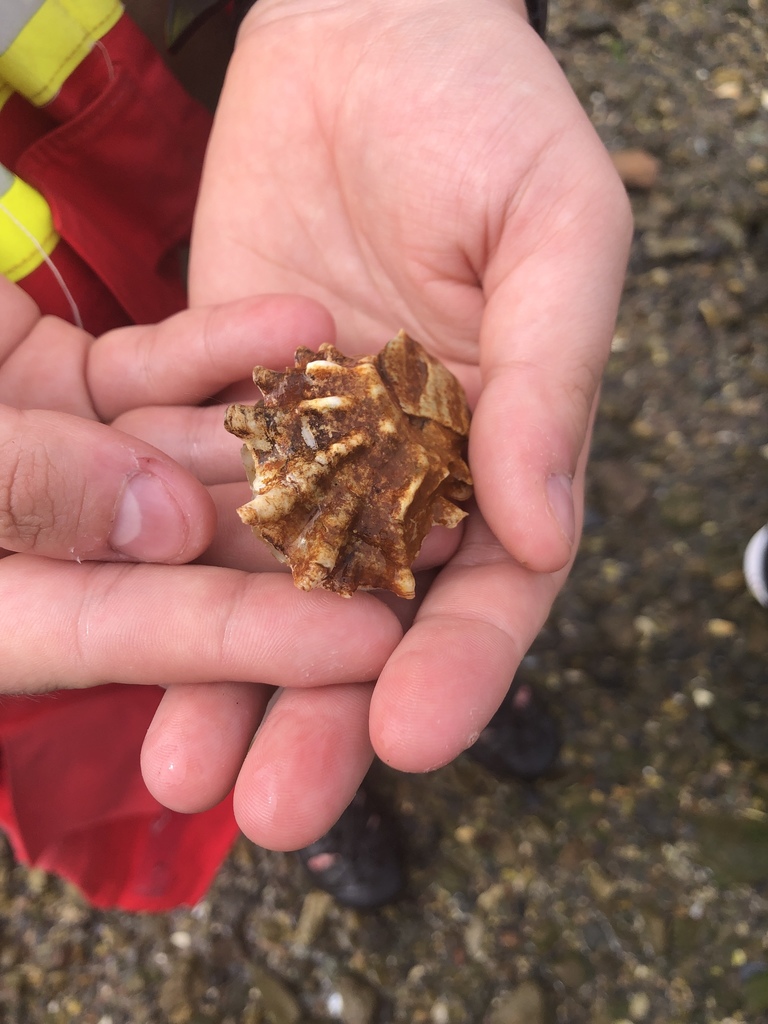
(190, 357)
(140, 624)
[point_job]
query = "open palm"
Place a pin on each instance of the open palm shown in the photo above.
(425, 165)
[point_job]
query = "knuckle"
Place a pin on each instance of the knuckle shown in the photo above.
(27, 496)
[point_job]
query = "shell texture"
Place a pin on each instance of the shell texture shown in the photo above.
(351, 461)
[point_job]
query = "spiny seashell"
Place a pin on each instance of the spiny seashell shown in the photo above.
(351, 461)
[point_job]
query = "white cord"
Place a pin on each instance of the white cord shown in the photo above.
(51, 265)
(107, 58)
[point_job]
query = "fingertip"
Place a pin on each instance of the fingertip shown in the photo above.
(439, 692)
(20, 314)
(197, 740)
(524, 460)
(161, 516)
(305, 766)
(82, 490)
(171, 775)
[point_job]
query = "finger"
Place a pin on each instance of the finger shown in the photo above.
(20, 314)
(305, 765)
(450, 673)
(545, 337)
(70, 488)
(193, 355)
(192, 436)
(134, 623)
(197, 741)
(49, 342)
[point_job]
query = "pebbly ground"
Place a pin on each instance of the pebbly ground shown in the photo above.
(632, 886)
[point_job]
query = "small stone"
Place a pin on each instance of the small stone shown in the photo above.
(664, 248)
(602, 887)
(474, 937)
(37, 880)
(636, 167)
(180, 993)
(613, 571)
(681, 506)
(314, 911)
(710, 313)
(720, 312)
(703, 698)
(359, 1000)
(733, 232)
(277, 999)
(440, 1013)
(620, 487)
(660, 276)
(181, 940)
(727, 83)
(639, 1006)
(728, 91)
(721, 628)
(490, 898)
(647, 627)
(465, 834)
(572, 971)
(655, 931)
(730, 581)
(523, 1005)
(335, 1004)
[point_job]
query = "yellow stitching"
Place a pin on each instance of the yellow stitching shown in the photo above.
(53, 23)
(91, 37)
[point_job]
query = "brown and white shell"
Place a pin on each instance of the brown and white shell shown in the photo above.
(351, 461)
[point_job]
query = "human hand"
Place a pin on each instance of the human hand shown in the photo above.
(83, 504)
(426, 165)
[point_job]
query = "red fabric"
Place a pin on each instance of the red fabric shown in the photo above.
(118, 156)
(20, 125)
(72, 801)
(99, 310)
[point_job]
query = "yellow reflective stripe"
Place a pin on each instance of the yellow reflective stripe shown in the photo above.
(27, 234)
(57, 37)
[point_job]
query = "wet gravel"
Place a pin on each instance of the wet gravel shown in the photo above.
(632, 885)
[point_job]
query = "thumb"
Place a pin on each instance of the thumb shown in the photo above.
(545, 337)
(72, 488)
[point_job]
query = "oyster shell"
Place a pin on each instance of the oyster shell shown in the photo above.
(351, 461)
